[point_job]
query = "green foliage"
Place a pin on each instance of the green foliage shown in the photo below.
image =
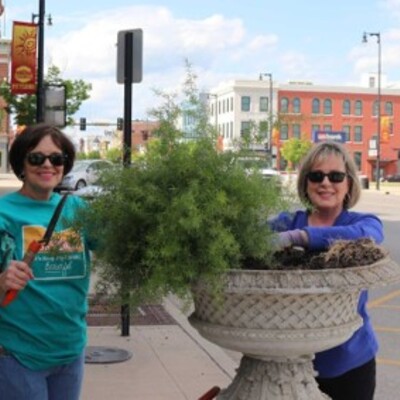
(295, 149)
(180, 213)
(188, 214)
(80, 156)
(24, 106)
(114, 155)
(93, 155)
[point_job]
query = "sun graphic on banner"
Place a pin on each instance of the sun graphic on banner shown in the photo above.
(27, 43)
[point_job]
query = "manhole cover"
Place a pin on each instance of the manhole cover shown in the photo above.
(105, 355)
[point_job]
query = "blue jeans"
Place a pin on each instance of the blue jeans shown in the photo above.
(17, 382)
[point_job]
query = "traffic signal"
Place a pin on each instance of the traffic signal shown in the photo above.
(82, 124)
(120, 124)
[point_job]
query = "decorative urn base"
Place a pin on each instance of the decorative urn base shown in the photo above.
(279, 319)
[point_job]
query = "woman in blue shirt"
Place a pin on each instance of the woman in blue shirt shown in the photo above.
(328, 186)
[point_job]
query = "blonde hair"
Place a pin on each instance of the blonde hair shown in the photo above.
(321, 151)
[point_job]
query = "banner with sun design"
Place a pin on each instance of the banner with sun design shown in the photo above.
(23, 58)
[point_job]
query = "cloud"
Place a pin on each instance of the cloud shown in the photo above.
(88, 51)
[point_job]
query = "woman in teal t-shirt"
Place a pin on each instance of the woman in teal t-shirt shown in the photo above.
(43, 330)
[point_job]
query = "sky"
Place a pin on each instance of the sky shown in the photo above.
(308, 40)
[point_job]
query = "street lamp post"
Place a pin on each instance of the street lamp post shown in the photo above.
(40, 67)
(378, 144)
(269, 75)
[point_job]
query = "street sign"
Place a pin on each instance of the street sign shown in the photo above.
(135, 74)
(336, 136)
(55, 105)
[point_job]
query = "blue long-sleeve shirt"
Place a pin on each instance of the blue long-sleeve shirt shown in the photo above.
(363, 345)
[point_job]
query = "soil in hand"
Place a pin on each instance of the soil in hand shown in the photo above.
(342, 254)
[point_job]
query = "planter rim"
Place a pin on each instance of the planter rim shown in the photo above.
(383, 272)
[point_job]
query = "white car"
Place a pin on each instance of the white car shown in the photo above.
(83, 173)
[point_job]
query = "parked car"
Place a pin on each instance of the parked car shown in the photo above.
(89, 192)
(393, 178)
(84, 172)
(257, 164)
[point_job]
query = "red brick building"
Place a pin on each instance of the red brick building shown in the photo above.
(304, 109)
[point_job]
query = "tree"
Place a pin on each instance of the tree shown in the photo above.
(294, 150)
(24, 106)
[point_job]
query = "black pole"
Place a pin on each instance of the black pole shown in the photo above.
(40, 79)
(127, 150)
(128, 98)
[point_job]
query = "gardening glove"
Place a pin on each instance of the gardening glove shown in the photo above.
(295, 237)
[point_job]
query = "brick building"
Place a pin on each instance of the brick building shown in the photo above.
(303, 108)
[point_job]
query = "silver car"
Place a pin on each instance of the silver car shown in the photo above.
(83, 173)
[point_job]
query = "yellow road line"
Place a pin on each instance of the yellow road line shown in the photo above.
(388, 307)
(386, 329)
(380, 300)
(385, 361)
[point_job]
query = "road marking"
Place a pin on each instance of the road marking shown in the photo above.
(385, 361)
(386, 329)
(388, 307)
(380, 300)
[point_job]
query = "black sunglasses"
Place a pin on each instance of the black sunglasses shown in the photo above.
(37, 159)
(333, 176)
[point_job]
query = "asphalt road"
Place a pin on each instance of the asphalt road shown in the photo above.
(384, 302)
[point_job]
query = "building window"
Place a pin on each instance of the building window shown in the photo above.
(327, 128)
(263, 104)
(245, 128)
(346, 107)
(346, 130)
(327, 106)
(357, 159)
(284, 132)
(231, 103)
(245, 103)
(284, 105)
(372, 82)
(358, 133)
(231, 136)
(296, 105)
(389, 108)
(358, 107)
(375, 108)
(316, 106)
(296, 131)
(315, 128)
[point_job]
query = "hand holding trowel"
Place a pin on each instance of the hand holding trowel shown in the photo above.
(35, 246)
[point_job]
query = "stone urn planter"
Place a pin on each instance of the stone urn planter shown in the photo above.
(278, 319)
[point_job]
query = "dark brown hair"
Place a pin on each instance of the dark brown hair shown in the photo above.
(29, 139)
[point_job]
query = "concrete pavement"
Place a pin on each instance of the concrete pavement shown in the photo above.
(170, 362)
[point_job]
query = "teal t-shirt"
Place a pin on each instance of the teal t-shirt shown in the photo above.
(45, 325)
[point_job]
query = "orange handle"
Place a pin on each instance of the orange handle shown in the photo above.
(9, 297)
(29, 256)
(211, 394)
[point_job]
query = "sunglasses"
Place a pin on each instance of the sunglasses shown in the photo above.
(37, 159)
(333, 176)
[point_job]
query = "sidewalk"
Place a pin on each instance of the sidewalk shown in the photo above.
(169, 362)
(9, 180)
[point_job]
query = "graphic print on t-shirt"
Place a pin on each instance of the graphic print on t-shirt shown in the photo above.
(62, 258)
